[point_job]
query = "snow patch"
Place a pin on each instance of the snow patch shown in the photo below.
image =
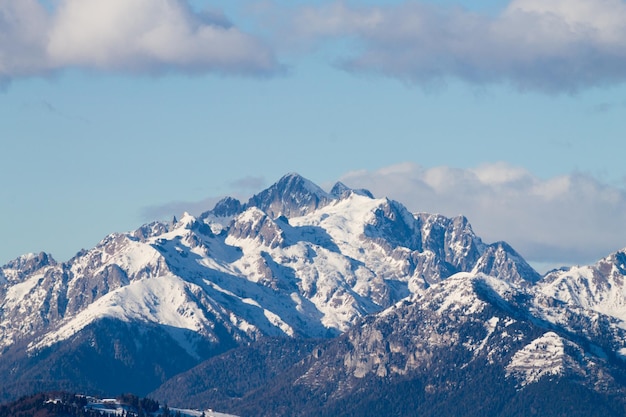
(542, 357)
(115, 407)
(18, 292)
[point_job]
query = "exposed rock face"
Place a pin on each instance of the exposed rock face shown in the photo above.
(257, 225)
(227, 207)
(499, 259)
(16, 270)
(341, 191)
(291, 196)
(465, 345)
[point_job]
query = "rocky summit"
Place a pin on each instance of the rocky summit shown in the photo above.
(306, 302)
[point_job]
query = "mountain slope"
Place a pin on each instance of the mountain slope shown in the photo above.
(600, 287)
(469, 346)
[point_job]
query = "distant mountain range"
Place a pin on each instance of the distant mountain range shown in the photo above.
(305, 302)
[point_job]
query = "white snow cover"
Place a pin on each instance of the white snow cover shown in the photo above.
(342, 224)
(461, 295)
(162, 300)
(196, 413)
(490, 325)
(542, 357)
(581, 285)
(16, 293)
(344, 221)
(8, 274)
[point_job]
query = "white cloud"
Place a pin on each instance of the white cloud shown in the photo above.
(124, 35)
(546, 45)
(23, 28)
(562, 220)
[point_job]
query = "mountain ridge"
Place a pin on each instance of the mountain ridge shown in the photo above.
(297, 262)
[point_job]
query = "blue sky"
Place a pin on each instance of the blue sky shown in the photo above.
(115, 113)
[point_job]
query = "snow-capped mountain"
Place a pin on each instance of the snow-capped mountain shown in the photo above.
(298, 262)
(294, 260)
(471, 345)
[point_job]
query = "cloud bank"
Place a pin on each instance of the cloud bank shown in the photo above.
(134, 36)
(552, 46)
(570, 219)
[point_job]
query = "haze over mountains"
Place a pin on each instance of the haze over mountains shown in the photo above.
(302, 301)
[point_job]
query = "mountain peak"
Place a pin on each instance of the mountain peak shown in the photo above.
(226, 207)
(296, 182)
(29, 263)
(341, 190)
(501, 260)
(292, 196)
(292, 176)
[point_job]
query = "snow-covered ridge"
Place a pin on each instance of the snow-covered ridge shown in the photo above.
(165, 300)
(600, 287)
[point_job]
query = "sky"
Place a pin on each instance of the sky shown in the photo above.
(114, 113)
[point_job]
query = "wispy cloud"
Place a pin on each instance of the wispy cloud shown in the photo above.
(567, 219)
(551, 46)
(135, 36)
(176, 208)
(607, 107)
(248, 183)
(243, 188)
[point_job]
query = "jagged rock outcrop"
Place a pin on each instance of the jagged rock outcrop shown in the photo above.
(600, 287)
(470, 345)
